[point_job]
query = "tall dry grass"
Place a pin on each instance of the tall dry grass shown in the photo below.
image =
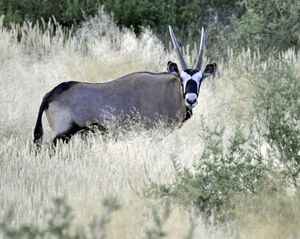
(86, 172)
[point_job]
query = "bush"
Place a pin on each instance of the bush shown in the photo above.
(267, 25)
(186, 17)
(67, 13)
(218, 176)
(278, 106)
(267, 160)
(60, 223)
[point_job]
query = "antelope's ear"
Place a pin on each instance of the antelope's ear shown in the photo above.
(210, 69)
(172, 68)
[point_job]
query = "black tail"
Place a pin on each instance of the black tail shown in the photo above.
(38, 130)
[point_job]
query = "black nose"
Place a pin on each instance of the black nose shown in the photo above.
(191, 102)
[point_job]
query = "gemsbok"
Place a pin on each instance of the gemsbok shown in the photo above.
(169, 96)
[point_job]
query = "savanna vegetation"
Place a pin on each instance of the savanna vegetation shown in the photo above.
(231, 171)
(268, 26)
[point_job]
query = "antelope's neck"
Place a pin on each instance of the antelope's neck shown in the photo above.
(187, 112)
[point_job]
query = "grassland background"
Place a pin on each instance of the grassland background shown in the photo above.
(87, 172)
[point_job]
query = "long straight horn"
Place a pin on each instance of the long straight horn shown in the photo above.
(177, 48)
(201, 51)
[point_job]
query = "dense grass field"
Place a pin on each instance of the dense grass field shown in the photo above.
(246, 95)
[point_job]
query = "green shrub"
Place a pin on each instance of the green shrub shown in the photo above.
(67, 13)
(278, 107)
(186, 17)
(60, 223)
(218, 176)
(271, 25)
(266, 161)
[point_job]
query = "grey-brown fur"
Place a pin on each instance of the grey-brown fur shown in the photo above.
(59, 89)
(72, 106)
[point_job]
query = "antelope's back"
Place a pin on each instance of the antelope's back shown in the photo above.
(152, 96)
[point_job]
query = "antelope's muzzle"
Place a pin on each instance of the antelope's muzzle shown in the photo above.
(191, 93)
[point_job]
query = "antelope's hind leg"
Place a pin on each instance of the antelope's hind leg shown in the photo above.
(60, 120)
(65, 136)
(84, 131)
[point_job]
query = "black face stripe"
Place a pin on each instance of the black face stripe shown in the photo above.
(191, 87)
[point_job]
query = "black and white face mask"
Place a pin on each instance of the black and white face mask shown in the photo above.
(191, 78)
(191, 82)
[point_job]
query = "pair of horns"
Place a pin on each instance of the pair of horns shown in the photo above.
(179, 53)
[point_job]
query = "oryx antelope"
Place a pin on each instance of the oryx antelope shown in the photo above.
(169, 96)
